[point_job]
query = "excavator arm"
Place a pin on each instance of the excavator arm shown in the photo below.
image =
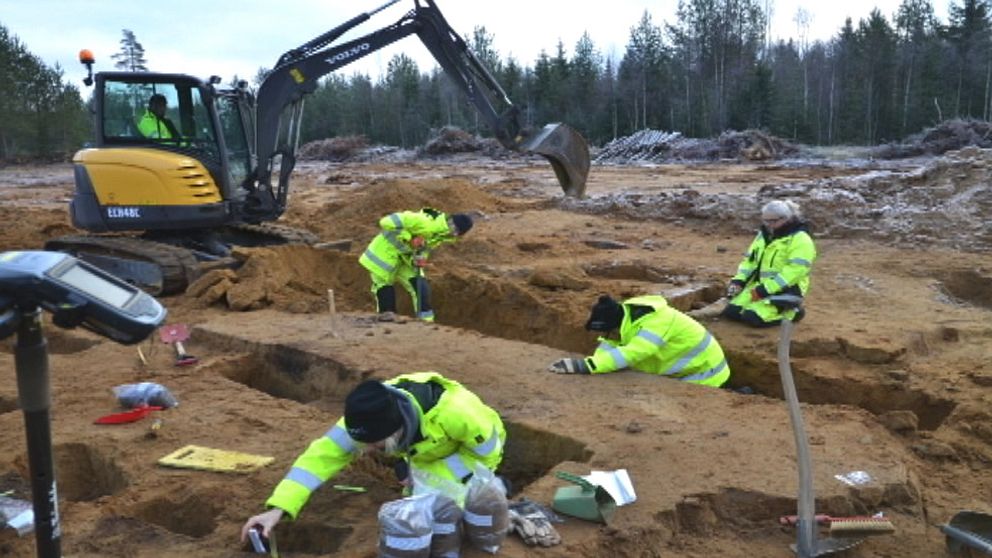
(279, 101)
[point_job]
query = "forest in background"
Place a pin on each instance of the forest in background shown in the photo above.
(711, 70)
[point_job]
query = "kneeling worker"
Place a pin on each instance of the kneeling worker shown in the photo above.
(654, 338)
(435, 424)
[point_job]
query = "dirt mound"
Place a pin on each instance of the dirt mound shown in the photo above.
(946, 136)
(292, 278)
(657, 146)
(451, 140)
(334, 149)
(942, 203)
(359, 220)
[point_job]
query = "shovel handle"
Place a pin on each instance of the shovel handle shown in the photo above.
(968, 538)
(586, 485)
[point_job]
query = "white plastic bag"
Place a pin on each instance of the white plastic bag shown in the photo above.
(487, 519)
(406, 526)
(18, 514)
(146, 393)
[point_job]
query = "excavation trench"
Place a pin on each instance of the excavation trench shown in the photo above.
(290, 373)
(550, 308)
(514, 311)
(869, 391)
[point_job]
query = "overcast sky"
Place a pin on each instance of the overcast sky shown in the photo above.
(227, 38)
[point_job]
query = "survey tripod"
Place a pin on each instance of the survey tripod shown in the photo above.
(76, 294)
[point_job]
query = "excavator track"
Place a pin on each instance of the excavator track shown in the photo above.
(159, 269)
(267, 234)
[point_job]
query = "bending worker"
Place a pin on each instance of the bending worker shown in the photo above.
(154, 124)
(435, 424)
(654, 338)
(773, 278)
(400, 253)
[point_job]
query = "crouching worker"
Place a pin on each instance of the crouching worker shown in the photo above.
(654, 338)
(773, 278)
(435, 424)
(400, 252)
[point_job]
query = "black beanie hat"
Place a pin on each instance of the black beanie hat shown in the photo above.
(371, 413)
(462, 222)
(606, 315)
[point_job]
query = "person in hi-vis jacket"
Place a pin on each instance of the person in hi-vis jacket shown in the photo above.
(773, 279)
(434, 424)
(399, 254)
(653, 338)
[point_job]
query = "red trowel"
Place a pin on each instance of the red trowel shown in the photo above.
(175, 334)
(132, 415)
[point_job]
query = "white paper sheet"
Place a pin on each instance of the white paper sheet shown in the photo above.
(616, 483)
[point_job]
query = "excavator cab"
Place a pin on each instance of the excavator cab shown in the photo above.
(189, 169)
(170, 151)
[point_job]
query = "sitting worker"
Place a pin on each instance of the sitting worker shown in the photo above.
(773, 278)
(400, 252)
(654, 338)
(435, 424)
(153, 123)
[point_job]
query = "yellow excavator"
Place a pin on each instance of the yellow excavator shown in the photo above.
(157, 201)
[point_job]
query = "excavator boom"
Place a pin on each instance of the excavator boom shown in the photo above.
(298, 71)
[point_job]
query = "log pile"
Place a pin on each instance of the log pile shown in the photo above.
(658, 146)
(644, 145)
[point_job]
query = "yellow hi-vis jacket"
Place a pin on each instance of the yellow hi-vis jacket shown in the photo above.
(390, 253)
(661, 341)
(777, 266)
(151, 126)
(457, 433)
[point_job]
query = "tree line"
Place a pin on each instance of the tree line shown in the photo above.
(41, 116)
(711, 70)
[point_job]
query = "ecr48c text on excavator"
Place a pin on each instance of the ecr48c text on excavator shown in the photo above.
(160, 206)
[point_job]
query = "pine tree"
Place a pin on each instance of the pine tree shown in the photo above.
(131, 57)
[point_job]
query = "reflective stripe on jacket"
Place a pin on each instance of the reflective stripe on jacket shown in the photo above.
(458, 432)
(663, 341)
(392, 246)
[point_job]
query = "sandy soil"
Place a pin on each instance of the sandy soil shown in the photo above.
(891, 362)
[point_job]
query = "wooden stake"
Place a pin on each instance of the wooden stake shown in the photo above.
(333, 311)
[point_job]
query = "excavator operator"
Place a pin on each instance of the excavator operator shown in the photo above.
(154, 124)
(400, 252)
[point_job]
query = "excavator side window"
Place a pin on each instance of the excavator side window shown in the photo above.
(125, 104)
(127, 116)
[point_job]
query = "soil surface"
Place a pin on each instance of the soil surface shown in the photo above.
(892, 362)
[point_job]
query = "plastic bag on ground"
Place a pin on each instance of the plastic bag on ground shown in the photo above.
(18, 514)
(406, 526)
(448, 531)
(447, 528)
(487, 518)
(146, 393)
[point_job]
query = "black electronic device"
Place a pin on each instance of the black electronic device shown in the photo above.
(78, 294)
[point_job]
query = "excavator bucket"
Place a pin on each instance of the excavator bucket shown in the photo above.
(568, 153)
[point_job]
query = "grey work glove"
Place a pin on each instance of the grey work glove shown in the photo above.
(734, 288)
(533, 526)
(568, 366)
